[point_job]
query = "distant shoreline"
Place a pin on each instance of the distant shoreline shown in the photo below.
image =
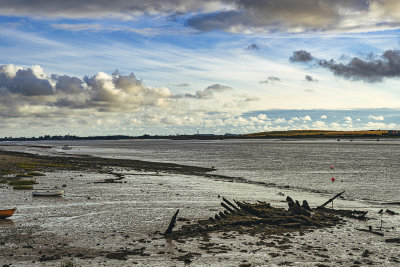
(290, 134)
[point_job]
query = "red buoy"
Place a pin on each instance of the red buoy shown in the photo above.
(331, 167)
(333, 179)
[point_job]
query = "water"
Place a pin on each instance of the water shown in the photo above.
(365, 169)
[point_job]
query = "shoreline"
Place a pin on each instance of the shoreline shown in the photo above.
(81, 228)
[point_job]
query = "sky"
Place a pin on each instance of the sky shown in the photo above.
(171, 67)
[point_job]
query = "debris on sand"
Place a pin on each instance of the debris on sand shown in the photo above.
(262, 217)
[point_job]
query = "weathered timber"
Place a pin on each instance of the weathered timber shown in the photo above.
(230, 204)
(260, 217)
(172, 223)
(390, 212)
(370, 231)
(330, 200)
(305, 205)
(227, 207)
(290, 201)
(393, 240)
(354, 214)
(223, 216)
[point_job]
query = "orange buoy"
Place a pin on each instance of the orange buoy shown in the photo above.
(333, 179)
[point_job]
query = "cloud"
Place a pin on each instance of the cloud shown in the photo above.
(241, 16)
(301, 56)
(27, 82)
(324, 117)
(253, 47)
(262, 117)
(377, 118)
(77, 27)
(280, 120)
(183, 84)
(348, 119)
(379, 125)
(271, 79)
(306, 118)
(286, 16)
(67, 84)
(319, 125)
(102, 8)
(373, 69)
(209, 92)
(31, 91)
(310, 79)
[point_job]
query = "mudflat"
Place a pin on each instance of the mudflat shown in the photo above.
(115, 212)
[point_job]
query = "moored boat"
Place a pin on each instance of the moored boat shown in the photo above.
(6, 213)
(48, 192)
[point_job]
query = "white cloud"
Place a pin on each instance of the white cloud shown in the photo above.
(323, 117)
(377, 118)
(319, 125)
(348, 120)
(262, 117)
(306, 118)
(335, 126)
(280, 121)
(379, 125)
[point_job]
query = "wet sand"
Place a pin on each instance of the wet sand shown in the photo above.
(114, 210)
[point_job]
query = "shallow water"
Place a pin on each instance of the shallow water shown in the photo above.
(365, 169)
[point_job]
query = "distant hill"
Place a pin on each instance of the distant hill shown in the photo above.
(322, 134)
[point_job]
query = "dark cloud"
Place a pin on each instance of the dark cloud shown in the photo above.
(102, 8)
(253, 47)
(68, 84)
(282, 15)
(271, 79)
(373, 69)
(309, 78)
(227, 15)
(24, 82)
(301, 56)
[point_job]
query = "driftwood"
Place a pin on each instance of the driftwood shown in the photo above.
(354, 214)
(390, 212)
(370, 231)
(393, 240)
(172, 223)
(330, 200)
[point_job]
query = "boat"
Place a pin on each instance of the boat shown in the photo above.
(48, 192)
(6, 213)
(66, 147)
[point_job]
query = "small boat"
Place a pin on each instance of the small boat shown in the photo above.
(6, 213)
(48, 192)
(66, 147)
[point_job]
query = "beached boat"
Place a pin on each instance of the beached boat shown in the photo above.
(6, 213)
(66, 147)
(48, 192)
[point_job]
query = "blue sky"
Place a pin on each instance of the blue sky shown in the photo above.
(174, 66)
